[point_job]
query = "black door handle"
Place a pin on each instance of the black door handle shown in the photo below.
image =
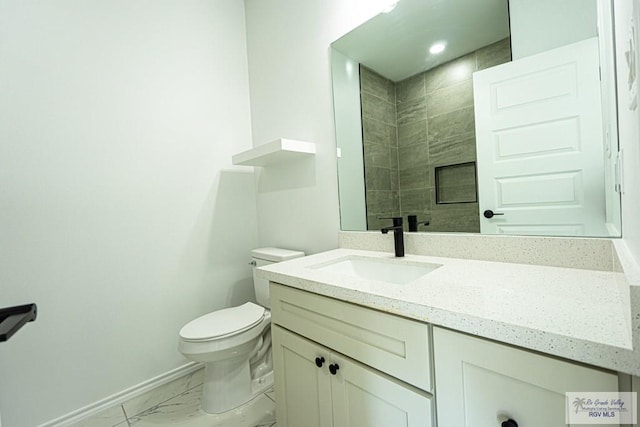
(333, 368)
(490, 214)
(319, 362)
(509, 423)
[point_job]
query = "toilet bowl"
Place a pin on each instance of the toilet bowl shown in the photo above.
(235, 344)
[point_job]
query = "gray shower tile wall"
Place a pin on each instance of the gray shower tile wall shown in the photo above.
(449, 126)
(377, 155)
(414, 160)
(378, 108)
(459, 217)
(450, 73)
(450, 99)
(376, 131)
(413, 148)
(436, 127)
(451, 139)
(377, 85)
(412, 87)
(378, 99)
(494, 54)
(442, 151)
(412, 133)
(411, 110)
(415, 125)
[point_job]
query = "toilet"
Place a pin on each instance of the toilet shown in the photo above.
(235, 343)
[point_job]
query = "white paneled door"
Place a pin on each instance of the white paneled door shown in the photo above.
(539, 144)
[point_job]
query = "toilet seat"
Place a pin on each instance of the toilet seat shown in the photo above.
(223, 323)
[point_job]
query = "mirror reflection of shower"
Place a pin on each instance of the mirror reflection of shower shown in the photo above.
(414, 130)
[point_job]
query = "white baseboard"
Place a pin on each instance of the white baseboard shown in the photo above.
(123, 396)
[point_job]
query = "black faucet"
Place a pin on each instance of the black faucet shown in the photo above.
(398, 237)
(413, 222)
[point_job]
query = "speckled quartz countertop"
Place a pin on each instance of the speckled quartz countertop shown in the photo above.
(581, 315)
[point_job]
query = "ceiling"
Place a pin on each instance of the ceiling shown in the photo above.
(396, 44)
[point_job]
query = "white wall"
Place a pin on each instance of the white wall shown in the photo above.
(118, 215)
(290, 78)
(541, 25)
(629, 126)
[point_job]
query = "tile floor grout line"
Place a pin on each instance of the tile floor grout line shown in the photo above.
(126, 418)
(163, 402)
(197, 385)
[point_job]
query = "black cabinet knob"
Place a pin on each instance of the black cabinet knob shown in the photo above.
(333, 368)
(509, 423)
(319, 362)
(490, 214)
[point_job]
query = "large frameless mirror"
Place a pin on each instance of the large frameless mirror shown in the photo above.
(491, 116)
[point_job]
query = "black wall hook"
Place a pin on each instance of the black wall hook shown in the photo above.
(14, 318)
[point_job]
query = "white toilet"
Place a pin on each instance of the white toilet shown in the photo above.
(235, 344)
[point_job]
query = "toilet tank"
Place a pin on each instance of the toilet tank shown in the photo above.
(266, 256)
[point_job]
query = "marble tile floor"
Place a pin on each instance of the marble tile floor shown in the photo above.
(178, 404)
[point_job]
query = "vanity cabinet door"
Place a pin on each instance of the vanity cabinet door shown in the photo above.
(479, 382)
(341, 392)
(363, 397)
(303, 390)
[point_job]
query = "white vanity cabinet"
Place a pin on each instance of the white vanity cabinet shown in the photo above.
(479, 382)
(338, 364)
(341, 364)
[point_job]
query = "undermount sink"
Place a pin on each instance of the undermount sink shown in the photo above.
(381, 269)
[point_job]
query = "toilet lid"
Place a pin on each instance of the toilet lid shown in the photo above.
(228, 321)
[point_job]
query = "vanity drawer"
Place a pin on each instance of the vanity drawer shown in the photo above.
(397, 346)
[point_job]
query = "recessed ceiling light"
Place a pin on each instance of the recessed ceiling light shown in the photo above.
(390, 7)
(436, 48)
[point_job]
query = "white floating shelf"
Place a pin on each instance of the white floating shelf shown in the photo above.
(280, 150)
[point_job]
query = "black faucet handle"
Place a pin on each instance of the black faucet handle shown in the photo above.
(414, 223)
